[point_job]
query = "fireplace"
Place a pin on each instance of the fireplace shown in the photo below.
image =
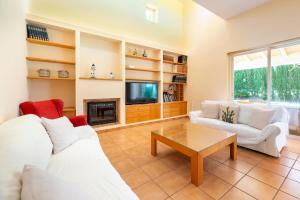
(101, 112)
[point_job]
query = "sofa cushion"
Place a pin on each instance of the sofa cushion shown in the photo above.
(229, 113)
(37, 184)
(210, 109)
(242, 130)
(260, 118)
(61, 132)
(46, 108)
(85, 164)
(245, 113)
(23, 141)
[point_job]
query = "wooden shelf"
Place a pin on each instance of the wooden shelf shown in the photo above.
(173, 63)
(141, 69)
(174, 102)
(174, 83)
(49, 60)
(48, 43)
(100, 79)
(140, 79)
(49, 78)
(143, 58)
(69, 109)
(181, 73)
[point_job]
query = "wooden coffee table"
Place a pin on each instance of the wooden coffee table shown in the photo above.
(195, 141)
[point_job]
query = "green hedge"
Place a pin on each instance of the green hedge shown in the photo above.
(252, 83)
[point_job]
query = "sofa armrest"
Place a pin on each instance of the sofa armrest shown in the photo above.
(195, 114)
(79, 120)
(274, 130)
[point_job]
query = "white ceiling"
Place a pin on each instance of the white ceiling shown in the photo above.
(230, 8)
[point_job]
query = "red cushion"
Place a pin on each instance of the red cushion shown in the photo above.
(50, 109)
(79, 120)
(46, 109)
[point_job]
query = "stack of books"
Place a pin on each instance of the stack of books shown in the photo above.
(169, 97)
(37, 32)
(179, 78)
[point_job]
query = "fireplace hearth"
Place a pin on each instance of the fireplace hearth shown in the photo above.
(101, 112)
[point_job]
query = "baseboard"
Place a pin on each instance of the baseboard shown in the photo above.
(116, 127)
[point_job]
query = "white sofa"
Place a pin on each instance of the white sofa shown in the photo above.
(24, 141)
(269, 140)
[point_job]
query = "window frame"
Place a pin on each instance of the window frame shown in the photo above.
(155, 11)
(269, 49)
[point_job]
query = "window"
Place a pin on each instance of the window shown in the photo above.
(254, 78)
(250, 76)
(286, 74)
(151, 14)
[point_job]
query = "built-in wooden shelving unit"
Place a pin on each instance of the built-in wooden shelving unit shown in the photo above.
(143, 58)
(100, 79)
(48, 43)
(49, 60)
(174, 92)
(76, 49)
(57, 54)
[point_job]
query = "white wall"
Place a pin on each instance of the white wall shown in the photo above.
(13, 83)
(210, 38)
(119, 17)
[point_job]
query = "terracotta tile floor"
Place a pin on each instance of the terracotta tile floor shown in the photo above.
(167, 176)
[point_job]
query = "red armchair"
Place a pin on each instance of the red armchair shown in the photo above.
(50, 109)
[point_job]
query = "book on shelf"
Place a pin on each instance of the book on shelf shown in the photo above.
(169, 97)
(37, 32)
(179, 78)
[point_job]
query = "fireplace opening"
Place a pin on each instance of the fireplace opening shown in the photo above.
(99, 113)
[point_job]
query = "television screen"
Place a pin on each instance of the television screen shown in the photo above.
(141, 92)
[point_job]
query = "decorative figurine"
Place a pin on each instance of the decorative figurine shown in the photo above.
(145, 54)
(135, 52)
(111, 75)
(93, 71)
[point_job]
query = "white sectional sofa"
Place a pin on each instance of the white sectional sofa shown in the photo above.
(24, 141)
(269, 140)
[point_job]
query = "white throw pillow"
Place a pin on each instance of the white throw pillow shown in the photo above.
(229, 113)
(260, 118)
(61, 132)
(23, 140)
(39, 185)
(210, 109)
(245, 114)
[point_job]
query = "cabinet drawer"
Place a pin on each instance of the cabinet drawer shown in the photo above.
(142, 112)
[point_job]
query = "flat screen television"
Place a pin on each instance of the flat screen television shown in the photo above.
(141, 93)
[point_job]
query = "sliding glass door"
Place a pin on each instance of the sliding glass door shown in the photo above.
(286, 74)
(270, 75)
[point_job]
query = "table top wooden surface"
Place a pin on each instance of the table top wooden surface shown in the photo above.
(193, 136)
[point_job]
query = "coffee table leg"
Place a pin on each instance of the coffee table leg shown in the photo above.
(153, 146)
(233, 150)
(197, 169)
